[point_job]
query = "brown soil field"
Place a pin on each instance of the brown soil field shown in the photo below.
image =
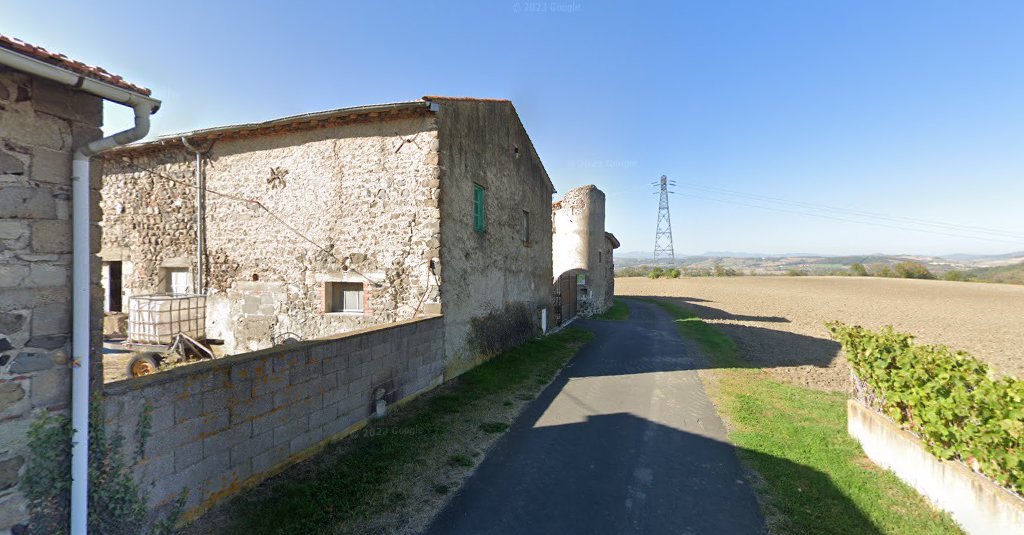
(779, 321)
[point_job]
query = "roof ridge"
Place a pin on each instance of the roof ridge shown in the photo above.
(470, 99)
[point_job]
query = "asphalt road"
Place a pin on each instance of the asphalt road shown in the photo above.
(623, 441)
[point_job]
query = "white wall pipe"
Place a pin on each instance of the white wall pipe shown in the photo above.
(81, 280)
(200, 284)
(81, 286)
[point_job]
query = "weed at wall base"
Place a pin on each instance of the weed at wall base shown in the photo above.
(116, 505)
(501, 329)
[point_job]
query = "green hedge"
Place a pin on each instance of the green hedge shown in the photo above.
(946, 397)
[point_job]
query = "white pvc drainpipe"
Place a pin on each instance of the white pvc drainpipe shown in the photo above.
(81, 280)
(200, 284)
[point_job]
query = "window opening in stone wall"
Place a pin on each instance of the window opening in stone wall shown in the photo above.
(344, 296)
(111, 280)
(177, 280)
(525, 230)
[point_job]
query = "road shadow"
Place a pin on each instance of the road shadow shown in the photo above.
(761, 346)
(572, 478)
(712, 313)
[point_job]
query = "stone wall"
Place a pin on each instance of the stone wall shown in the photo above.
(580, 243)
(354, 203)
(483, 142)
(221, 426)
(41, 123)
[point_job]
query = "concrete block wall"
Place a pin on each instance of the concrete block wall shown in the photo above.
(41, 124)
(220, 426)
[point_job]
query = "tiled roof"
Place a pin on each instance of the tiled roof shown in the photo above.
(293, 123)
(469, 99)
(62, 61)
(615, 241)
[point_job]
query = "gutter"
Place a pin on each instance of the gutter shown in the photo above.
(143, 106)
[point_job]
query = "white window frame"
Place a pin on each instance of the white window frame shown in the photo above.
(182, 285)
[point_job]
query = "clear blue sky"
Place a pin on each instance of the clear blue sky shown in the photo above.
(909, 109)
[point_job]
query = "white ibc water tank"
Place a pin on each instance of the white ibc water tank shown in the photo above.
(157, 318)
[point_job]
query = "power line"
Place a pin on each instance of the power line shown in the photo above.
(834, 218)
(859, 213)
(258, 204)
(279, 219)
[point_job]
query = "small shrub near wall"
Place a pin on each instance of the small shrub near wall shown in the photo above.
(946, 397)
(502, 328)
(116, 505)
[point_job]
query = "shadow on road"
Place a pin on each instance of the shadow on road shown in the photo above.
(712, 313)
(689, 484)
(625, 441)
(762, 346)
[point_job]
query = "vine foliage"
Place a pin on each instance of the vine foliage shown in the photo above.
(946, 397)
(116, 504)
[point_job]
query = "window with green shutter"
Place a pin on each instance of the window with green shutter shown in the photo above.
(479, 212)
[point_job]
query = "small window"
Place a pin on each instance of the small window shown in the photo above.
(344, 297)
(525, 230)
(479, 210)
(177, 280)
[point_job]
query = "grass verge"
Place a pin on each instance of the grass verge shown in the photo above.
(776, 425)
(394, 474)
(618, 311)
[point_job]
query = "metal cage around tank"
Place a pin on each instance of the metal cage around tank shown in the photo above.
(156, 319)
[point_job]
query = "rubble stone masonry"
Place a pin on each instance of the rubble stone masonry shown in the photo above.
(41, 124)
(353, 203)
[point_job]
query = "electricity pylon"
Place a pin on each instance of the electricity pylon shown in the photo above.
(663, 236)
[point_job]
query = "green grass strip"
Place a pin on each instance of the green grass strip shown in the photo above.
(815, 477)
(358, 477)
(619, 311)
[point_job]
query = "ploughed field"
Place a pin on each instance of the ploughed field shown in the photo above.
(778, 322)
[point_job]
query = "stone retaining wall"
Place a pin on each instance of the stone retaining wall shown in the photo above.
(220, 426)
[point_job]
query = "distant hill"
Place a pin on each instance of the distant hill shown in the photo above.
(1012, 274)
(1005, 268)
(983, 258)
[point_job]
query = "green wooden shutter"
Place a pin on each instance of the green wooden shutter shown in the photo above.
(479, 213)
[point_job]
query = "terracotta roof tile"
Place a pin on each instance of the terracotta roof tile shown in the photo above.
(77, 67)
(470, 99)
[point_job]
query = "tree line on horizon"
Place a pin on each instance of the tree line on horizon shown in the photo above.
(906, 269)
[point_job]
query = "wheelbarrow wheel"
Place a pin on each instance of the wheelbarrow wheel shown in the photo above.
(143, 364)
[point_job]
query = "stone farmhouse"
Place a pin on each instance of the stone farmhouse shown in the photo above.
(582, 253)
(393, 245)
(316, 224)
(51, 110)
